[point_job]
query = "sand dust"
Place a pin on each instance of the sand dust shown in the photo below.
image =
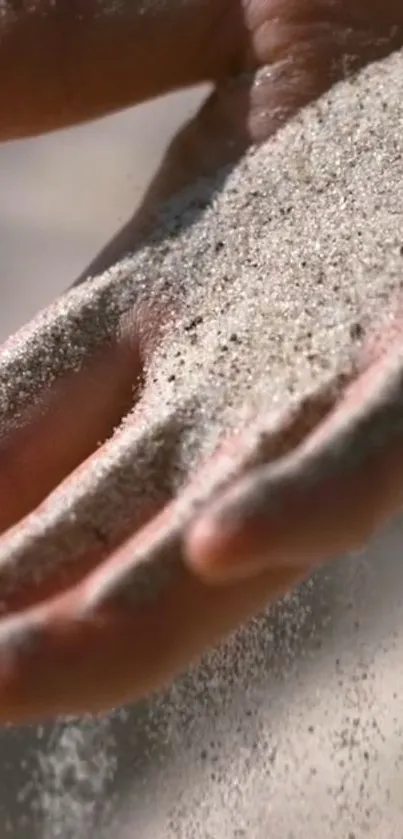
(278, 268)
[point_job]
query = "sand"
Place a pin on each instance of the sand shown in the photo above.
(278, 268)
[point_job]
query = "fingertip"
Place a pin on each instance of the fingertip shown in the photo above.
(204, 547)
(219, 552)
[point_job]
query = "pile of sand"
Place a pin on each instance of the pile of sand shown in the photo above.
(276, 269)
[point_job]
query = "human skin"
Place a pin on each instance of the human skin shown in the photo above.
(86, 649)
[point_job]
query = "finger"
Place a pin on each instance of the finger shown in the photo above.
(330, 495)
(106, 499)
(66, 381)
(115, 639)
(54, 56)
(302, 49)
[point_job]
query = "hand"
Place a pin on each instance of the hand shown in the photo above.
(79, 632)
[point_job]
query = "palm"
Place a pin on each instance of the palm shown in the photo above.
(283, 55)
